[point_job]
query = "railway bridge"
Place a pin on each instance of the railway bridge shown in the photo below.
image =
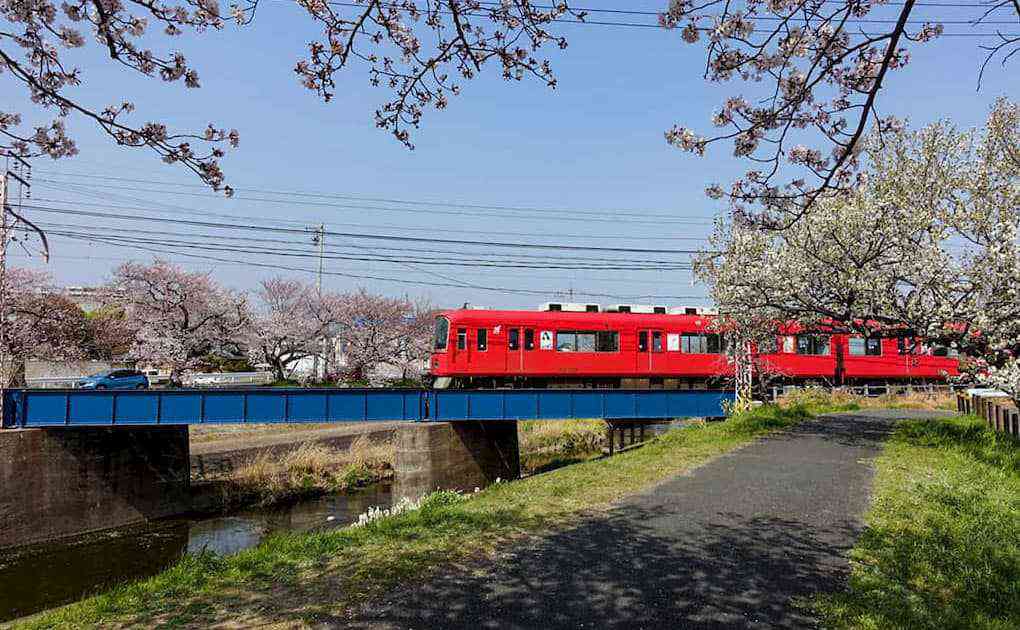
(75, 461)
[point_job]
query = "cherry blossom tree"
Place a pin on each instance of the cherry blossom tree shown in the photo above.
(822, 66)
(927, 243)
(108, 333)
(291, 323)
(34, 39)
(181, 316)
(374, 330)
(816, 69)
(414, 345)
(38, 324)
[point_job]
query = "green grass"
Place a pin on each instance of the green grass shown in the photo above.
(295, 579)
(942, 544)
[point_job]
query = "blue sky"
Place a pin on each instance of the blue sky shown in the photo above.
(594, 145)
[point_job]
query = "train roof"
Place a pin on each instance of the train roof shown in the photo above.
(483, 316)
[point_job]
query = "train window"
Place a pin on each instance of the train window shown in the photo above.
(442, 334)
(513, 340)
(656, 341)
(813, 345)
(607, 341)
(587, 341)
(944, 351)
(483, 339)
(529, 339)
(642, 341)
(865, 346)
(702, 344)
(566, 341)
(462, 338)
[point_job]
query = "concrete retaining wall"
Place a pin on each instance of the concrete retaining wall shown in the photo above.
(64, 482)
(454, 456)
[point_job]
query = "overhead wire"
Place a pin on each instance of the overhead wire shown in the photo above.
(505, 290)
(464, 262)
(334, 249)
(582, 216)
(613, 213)
(354, 235)
(854, 22)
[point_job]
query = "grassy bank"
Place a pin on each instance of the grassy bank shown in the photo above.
(942, 545)
(549, 444)
(312, 468)
(304, 578)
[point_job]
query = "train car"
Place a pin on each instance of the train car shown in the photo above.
(664, 348)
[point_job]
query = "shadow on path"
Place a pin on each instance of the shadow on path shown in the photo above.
(731, 545)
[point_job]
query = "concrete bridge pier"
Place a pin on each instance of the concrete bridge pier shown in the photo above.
(454, 456)
(67, 481)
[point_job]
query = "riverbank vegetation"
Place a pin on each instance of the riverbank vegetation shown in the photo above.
(549, 444)
(308, 578)
(313, 468)
(942, 546)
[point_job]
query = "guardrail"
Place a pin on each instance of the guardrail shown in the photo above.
(63, 408)
(53, 382)
(226, 379)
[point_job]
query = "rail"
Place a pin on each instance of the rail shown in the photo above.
(49, 408)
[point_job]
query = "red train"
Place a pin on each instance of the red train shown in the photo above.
(671, 349)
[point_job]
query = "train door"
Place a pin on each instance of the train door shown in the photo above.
(515, 350)
(651, 351)
(460, 354)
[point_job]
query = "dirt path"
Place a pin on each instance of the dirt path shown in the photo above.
(732, 545)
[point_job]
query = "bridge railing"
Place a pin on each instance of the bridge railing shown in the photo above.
(61, 408)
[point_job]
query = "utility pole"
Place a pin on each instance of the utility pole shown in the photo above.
(320, 240)
(6, 361)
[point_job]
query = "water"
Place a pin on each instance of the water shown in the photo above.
(46, 576)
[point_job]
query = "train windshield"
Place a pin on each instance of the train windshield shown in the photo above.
(442, 334)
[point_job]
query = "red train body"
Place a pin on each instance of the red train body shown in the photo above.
(608, 349)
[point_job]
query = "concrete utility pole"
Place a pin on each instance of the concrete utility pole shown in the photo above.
(6, 361)
(320, 240)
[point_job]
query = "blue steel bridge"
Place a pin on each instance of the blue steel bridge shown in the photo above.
(53, 408)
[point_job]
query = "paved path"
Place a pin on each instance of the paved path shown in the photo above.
(728, 546)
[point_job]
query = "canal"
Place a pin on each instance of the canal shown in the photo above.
(36, 578)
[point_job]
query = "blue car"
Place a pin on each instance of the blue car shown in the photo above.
(114, 379)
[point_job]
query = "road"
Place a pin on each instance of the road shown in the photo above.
(733, 544)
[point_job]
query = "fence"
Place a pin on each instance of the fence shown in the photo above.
(997, 408)
(869, 391)
(228, 379)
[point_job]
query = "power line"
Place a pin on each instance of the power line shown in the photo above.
(407, 239)
(614, 213)
(403, 228)
(470, 263)
(504, 290)
(585, 216)
(707, 29)
(333, 249)
(488, 273)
